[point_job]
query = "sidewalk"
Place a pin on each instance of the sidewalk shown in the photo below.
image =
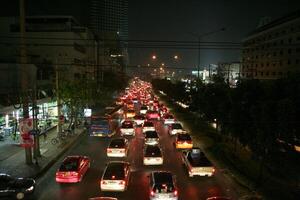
(12, 158)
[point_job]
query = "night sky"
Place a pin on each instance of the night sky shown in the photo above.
(175, 20)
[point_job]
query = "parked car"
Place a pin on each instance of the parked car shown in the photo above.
(17, 188)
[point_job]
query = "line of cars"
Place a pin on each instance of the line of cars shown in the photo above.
(162, 183)
(141, 109)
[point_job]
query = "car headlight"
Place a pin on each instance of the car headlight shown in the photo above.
(30, 189)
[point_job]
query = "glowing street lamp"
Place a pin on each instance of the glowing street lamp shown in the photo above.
(162, 64)
(154, 57)
(176, 57)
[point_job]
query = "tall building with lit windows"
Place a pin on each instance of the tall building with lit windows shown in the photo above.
(272, 51)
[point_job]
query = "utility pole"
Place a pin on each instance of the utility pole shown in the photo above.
(59, 124)
(24, 76)
(198, 66)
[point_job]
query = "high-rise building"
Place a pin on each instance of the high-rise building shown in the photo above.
(110, 16)
(272, 51)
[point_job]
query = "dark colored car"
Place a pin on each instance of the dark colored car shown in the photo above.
(18, 188)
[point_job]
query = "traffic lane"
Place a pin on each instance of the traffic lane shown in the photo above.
(93, 147)
(188, 188)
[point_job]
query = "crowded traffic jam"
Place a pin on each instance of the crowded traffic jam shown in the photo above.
(140, 109)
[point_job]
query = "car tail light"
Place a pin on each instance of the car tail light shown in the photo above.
(152, 193)
(122, 182)
(122, 150)
(103, 182)
(189, 142)
(109, 150)
(214, 170)
(175, 193)
(73, 174)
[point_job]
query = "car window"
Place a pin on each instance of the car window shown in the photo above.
(152, 151)
(176, 126)
(184, 137)
(127, 125)
(163, 188)
(117, 143)
(114, 171)
(151, 134)
(148, 124)
(69, 165)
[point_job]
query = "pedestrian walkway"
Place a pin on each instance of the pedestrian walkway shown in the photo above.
(12, 158)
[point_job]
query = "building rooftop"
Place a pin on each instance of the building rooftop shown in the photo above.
(276, 22)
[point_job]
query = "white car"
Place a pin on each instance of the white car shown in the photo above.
(148, 126)
(118, 147)
(143, 110)
(139, 120)
(168, 119)
(127, 128)
(176, 128)
(151, 138)
(115, 177)
(153, 155)
(162, 186)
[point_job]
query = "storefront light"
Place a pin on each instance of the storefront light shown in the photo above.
(6, 120)
(17, 115)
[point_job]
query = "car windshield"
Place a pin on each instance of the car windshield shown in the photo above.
(114, 171)
(117, 143)
(127, 125)
(184, 137)
(148, 124)
(176, 126)
(152, 151)
(151, 134)
(139, 117)
(70, 164)
(144, 108)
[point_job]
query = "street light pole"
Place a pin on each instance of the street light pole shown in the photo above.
(199, 43)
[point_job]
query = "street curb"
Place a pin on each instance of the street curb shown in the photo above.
(53, 161)
(66, 148)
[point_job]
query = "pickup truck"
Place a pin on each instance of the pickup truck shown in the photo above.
(197, 163)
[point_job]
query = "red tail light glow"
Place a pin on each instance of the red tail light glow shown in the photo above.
(175, 192)
(152, 193)
(109, 150)
(103, 182)
(122, 183)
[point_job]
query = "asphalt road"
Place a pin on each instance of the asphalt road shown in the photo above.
(196, 188)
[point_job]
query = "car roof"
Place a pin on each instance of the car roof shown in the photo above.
(72, 158)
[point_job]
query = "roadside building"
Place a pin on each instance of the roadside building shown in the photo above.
(272, 51)
(230, 72)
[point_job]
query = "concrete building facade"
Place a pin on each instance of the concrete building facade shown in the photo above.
(272, 51)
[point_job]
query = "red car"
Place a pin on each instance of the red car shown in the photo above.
(152, 115)
(72, 169)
